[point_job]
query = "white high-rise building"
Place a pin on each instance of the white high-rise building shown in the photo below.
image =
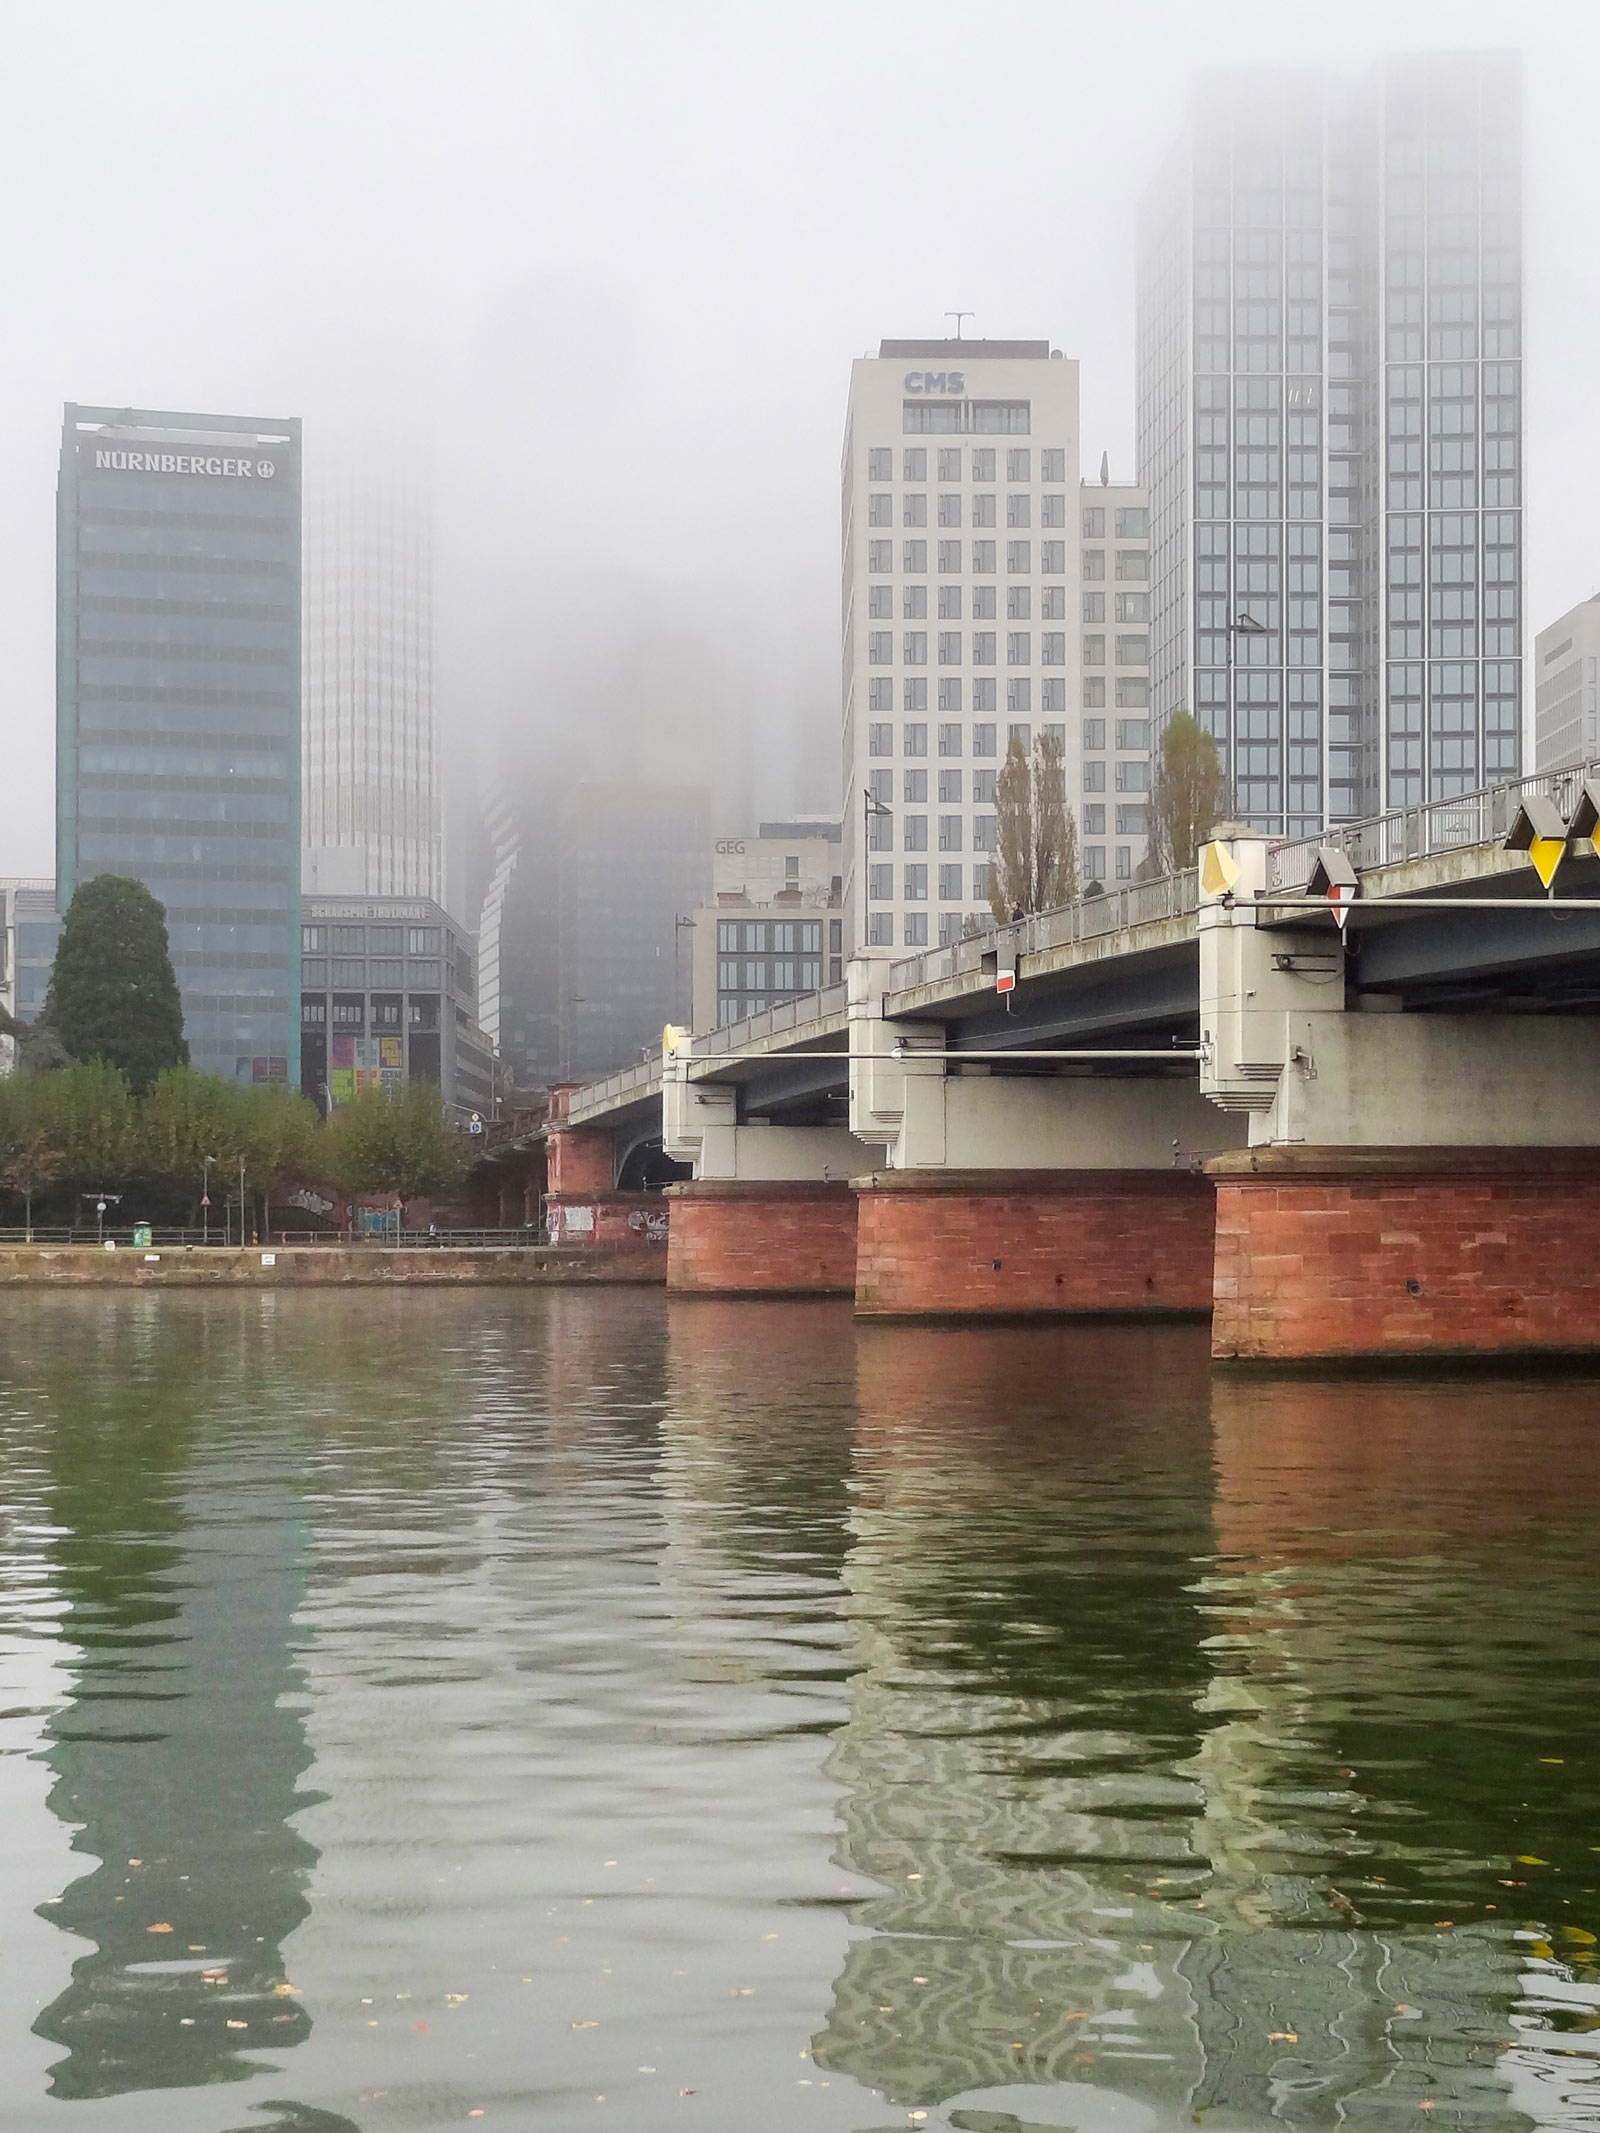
(371, 800)
(963, 604)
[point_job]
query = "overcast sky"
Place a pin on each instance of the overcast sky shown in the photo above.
(610, 264)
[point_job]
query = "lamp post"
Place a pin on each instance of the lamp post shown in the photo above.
(872, 809)
(1244, 624)
(241, 1202)
(206, 1162)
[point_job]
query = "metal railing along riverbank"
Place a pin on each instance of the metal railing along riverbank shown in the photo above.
(528, 1236)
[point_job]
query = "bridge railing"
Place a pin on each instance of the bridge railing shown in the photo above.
(773, 1021)
(1092, 918)
(1481, 817)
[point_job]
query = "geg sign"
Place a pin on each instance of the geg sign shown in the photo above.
(935, 381)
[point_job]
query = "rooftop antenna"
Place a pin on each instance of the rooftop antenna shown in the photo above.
(958, 316)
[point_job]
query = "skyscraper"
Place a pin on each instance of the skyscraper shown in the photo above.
(178, 705)
(961, 615)
(1330, 428)
(373, 805)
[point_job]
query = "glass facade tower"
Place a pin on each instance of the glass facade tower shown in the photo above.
(178, 706)
(1330, 428)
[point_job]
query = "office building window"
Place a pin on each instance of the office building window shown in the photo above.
(880, 510)
(1053, 463)
(880, 693)
(880, 929)
(880, 463)
(914, 559)
(1094, 565)
(880, 648)
(949, 648)
(983, 511)
(950, 462)
(1094, 523)
(1019, 736)
(983, 559)
(1052, 510)
(983, 602)
(1052, 603)
(1094, 651)
(983, 839)
(950, 603)
(880, 555)
(1133, 776)
(312, 940)
(421, 940)
(1019, 558)
(1019, 648)
(915, 929)
(880, 883)
(913, 833)
(913, 603)
(913, 510)
(983, 462)
(1019, 603)
(950, 780)
(980, 891)
(914, 740)
(1056, 735)
(1133, 651)
(1094, 862)
(915, 648)
(916, 464)
(1132, 563)
(1094, 733)
(950, 884)
(1133, 607)
(1019, 462)
(949, 743)
(880, 740)
(314, 1012)
(1132, 522)
(1124, 863)
(1019, 509)
(984, 698)
(983, 743)
(1133, 692)
(950, 510)
(915, 787)
(1133, 733)
(1094, 776)
(1094, 691)
(983, 648)
(1053, 648)
(880, 603)
(950, 925)
(950, 697)
(1131, 820)
(914, 693)
(949, 833)
(949, 556)
(1093, 818)
(916, 883)
(1053, 558)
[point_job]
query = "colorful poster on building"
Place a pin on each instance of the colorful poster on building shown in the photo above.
(368, 1073)
(342, 1071)
(391, 1063)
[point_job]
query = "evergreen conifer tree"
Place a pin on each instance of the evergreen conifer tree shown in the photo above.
(113, 995)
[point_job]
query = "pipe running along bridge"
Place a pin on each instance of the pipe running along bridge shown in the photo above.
(1341, 1094)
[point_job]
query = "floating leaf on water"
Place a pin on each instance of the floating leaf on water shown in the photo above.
(1530, 1859)
(161, 1927)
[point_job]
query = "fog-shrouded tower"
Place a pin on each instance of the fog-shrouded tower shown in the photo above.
(1330, 427)
(373, 804)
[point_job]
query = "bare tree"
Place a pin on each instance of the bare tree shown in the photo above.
(1035, 866)
(1188, 793)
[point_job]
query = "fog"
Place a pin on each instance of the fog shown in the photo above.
(604, 268)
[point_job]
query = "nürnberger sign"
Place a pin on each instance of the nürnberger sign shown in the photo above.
(124, 460)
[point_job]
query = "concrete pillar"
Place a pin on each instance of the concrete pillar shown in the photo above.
(1101, 1243)
(770, 1237)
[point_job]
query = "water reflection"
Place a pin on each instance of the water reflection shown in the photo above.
(176, 1759)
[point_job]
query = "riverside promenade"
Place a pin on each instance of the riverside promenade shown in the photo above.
(324, 1266)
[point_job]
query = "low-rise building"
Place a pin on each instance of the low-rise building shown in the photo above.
(30, 927)
(388, 988)
(775, 928)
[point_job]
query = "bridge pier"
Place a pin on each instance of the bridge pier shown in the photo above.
(997, 1243)
(762, 1237)
(1411, 1184)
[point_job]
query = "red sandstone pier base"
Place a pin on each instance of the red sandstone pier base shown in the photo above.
(767, 1238)
(1362, 1252)
(1121, 1243)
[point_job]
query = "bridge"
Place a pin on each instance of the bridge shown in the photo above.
(1341, 1094)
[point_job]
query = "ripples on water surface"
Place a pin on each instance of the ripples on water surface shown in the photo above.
(581, 1710)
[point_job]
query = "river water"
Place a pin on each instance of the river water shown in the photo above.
(583, 1710)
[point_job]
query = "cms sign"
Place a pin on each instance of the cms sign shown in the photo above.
(935, 381)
